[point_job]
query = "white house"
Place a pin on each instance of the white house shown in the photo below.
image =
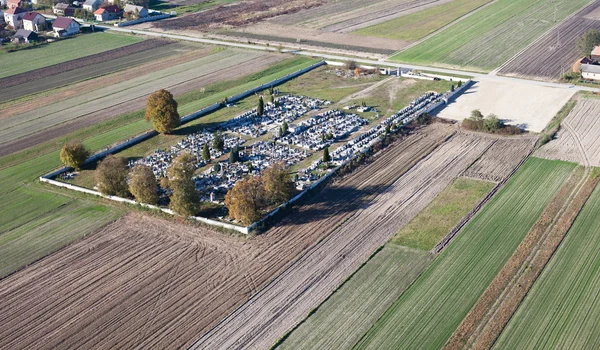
(34, 22)
(590, 71)
(108, 13)
(63, 26)
(14, 17)
(139, 10)
(91, 5)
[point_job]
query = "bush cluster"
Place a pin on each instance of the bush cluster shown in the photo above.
(490, 124)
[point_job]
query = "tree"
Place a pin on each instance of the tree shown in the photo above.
(218, 142)
(476, 115)
(326, 156)
(246, 200)
(206, 153)
(586, 42)
(278, 184)
(217, 167)
(284, 128)
(234, 155)
(261, 106)
(111, 176)
(74, 154)
(492, 122)
(161, 109)
(185, 199)
(143, 185)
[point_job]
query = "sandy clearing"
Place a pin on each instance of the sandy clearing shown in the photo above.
(580, 129)
(526, 105)
(286, 300)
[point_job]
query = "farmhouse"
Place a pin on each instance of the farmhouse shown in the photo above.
(14, 17)
(24, 36)
(108, 13)
(62, 9)
(577, 65)
(63, 26)
(11, 4)
(34, 22)
(590, 71)
(91, 5)
(136, 11)
(596, 53)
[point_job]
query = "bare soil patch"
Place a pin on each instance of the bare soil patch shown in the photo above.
(578, 139)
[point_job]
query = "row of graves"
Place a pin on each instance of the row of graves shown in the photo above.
(287, 108)
(160, 160)
(323, 129)
(214, 183)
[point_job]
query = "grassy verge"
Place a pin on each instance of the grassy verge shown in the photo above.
(417, 25)
(430, 310)
(340, 321)
(562, 310)
(439, 217)
(63, 50)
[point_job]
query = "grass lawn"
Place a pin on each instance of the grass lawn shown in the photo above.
(429, 311)
(62, 51)
(489, 37)
(417, 25)
(350, 311)
(562, 309)
(442, 214)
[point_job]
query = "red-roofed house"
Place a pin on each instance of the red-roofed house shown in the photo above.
(11, 4)
(34, 21)
(63, 26)
(14, 17)
(108, 13)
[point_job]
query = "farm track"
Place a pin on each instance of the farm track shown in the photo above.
(285, 301)
(102, 290)
(30, 128)
(69, 72)
(557, 49)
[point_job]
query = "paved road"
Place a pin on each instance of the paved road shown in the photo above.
(476, 76)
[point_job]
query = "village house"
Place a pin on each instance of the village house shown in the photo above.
(91, 5)
(590, 71)
(34, 22)
(62, 9)
(63, 26)
(24, 36)
(108, 13)
(14, 17)
(11, 4)
(134, 10)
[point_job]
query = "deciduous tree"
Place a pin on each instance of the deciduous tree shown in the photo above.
(111, 176)
(74, 154)
(586, 42)
(143, 185)
(161, 109)
(185, 199)
(278, 183)
(246, 200)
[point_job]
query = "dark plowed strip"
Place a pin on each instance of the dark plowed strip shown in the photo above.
(87, 61)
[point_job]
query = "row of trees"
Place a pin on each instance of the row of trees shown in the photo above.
(250, 197)
(489, 124)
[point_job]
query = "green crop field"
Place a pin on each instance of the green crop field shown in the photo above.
(62, 51)
(341, 320)
(428, 312)
(441, 215)
(562, 310)
(418, 25)
(489, 37)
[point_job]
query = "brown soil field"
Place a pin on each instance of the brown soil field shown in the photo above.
(578, 139)
(79, 69)
(555, 52)
(499, 161)
(151, 283)
(102, 104)
(286, 301)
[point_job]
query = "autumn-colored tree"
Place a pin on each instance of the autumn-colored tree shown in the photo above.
(185, 199)
(74, 154)
(278, 183)
(246, 200)
(161, 109)
(111, 176)
(261, 106)
(143, 185)
(206, 153)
